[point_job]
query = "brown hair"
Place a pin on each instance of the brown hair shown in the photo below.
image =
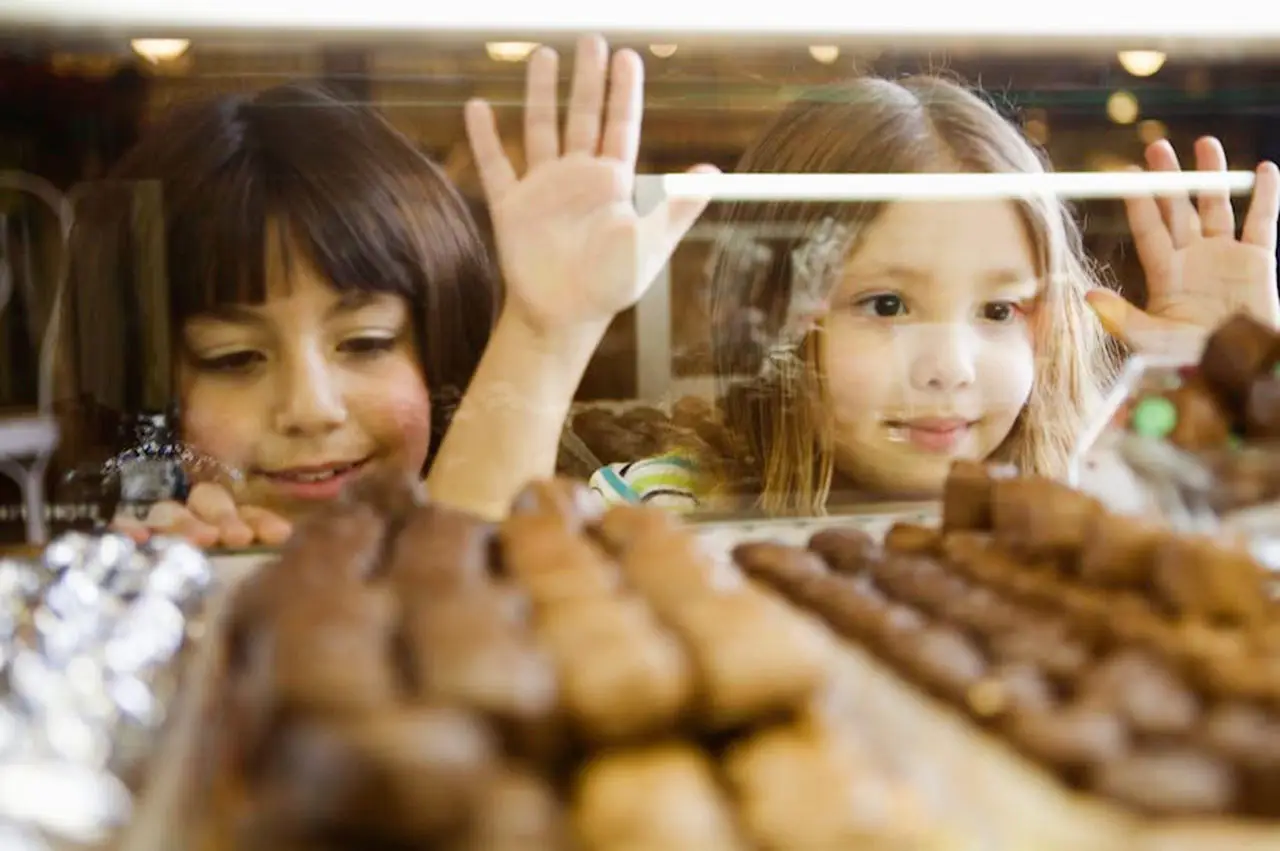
(181, 227)
(914, 125)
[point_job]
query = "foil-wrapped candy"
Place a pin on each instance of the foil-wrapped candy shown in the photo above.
(90, 633)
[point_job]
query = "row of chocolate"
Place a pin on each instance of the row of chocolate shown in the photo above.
(1138, 664)
(564, 679)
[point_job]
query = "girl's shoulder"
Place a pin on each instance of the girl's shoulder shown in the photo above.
(674, 480)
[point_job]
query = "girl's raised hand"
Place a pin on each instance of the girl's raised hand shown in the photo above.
(1198, 272)
(210, 518)
(574, 251)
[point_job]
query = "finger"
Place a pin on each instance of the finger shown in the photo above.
(268, 527)
(1216, 218)
(1150, 235)
(214, 505)
(586, 98)
(1264, 209)
(172, 518)
(1176, 207)
(130, 526)
(664, 226)
(496, 173)
(1141, 332)
(541, 139)
(626, 108)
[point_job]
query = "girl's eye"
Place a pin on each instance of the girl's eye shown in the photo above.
(1000, 311)
(883, 306)
(231, 362)
(367, 345)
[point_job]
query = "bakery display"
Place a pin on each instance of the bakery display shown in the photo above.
(406, 676)
(1138, 664)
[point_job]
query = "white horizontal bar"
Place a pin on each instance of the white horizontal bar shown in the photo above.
(943, 187)
(926, 18)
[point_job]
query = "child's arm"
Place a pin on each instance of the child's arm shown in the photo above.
(574, 253)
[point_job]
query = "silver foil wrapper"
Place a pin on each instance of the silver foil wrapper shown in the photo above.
(90, 638)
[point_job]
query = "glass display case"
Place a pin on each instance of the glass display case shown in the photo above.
(874, 281)
(93, 353)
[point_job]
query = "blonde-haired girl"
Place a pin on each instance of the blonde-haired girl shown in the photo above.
(863, 347)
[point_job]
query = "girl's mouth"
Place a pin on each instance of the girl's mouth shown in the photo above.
(315, 481)
(931, 434)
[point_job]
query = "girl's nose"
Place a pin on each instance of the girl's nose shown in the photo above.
(939, 357)
(311, 401)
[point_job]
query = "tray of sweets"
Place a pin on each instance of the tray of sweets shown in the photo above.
(571, 680)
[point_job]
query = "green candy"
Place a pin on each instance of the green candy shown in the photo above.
(1154, 417)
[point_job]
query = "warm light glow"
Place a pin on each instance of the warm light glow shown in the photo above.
(1035, 125)
(1152, 130)
(510, 51)
(825, 53)
(1122, 107)
(663, 51)
(157, 50)
(1141, 63)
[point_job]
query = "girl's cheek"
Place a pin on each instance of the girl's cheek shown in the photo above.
(217, 430)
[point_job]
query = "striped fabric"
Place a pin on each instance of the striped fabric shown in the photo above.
(670, 481)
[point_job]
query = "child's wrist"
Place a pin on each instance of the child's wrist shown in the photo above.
(576, 342)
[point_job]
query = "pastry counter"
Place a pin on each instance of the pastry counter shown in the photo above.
(1028, 670)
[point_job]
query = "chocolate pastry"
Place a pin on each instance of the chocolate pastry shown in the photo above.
(391, 494)
(621, 676)
(1238, 351)
(1071, 737)
(946, 661)
(752, 655)
(967, 495)
(517, 811)
(656, 798)
(342, 543)
(910, 538)
(406, 775)
(1144, 692)
(1262, 408)
(467, 650)
(802, 786)
(1198, 577)
(785, 568)
(1201, 422)
(845, 550)
(1055, 522)
(1118, 551)
(330, 654)
(1010, 688)
(1168, 781)
(439, 549)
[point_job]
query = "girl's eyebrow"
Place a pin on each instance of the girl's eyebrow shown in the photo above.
(351, 301)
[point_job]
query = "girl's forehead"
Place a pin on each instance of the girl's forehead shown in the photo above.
(932, 239)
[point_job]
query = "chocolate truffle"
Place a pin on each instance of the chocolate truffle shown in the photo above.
(912, 538)
(1118, 551)
(967, 494)
(1202, 423)
(1238, 351)
(1168, 781)
(845, 550)
(1198, 577)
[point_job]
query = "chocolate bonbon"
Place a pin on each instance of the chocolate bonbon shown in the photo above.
(1106, 648)
(596, 667)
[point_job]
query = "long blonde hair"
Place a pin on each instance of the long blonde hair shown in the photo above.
(920, 124)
